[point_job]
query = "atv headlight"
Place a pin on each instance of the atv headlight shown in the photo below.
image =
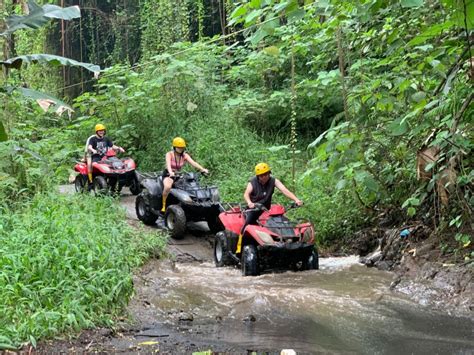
(106, 169)
(265, 237)
(308, 235)
(215, 195)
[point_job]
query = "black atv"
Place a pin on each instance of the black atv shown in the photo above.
(188, 201)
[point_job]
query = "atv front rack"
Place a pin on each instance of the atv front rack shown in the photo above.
(143, 176)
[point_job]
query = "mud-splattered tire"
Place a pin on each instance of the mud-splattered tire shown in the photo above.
(312, 263)
(221, 250)
(100, 185)
(80, 183)
(144, 212)
(175, 220)
(250, 261)
(135, 187)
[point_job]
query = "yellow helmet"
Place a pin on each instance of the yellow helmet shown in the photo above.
(179, 142)
(261, 168)
(99, 127)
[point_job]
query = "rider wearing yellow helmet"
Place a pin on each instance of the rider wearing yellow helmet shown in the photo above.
(260, 190)
(175, 160)
(96, 147)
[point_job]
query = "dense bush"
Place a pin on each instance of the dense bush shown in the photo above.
(66, 263)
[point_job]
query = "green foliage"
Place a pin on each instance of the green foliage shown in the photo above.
(23, 172)
(65, 264)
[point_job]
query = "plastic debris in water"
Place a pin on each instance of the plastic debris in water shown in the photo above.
(404, 233)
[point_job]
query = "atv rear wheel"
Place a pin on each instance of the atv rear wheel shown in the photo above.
(144, 212)
(312, 263)
(250, 261)
(175, 220)
(80, 183)
(221, 250)
(100, 185)
(135, 187)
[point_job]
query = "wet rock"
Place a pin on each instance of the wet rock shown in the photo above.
(395, 283)
(383, 265)
(372, 258)
(250, 318)
(219, 318)
(186, 317)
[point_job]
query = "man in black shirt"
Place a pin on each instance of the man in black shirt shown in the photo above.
(97, 146)
(260, 190)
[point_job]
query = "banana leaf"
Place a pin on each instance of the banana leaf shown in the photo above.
(50, 59)
(39, 16)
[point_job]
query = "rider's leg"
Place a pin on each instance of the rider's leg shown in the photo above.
(251, 218)
(89, 168)
(167, 184)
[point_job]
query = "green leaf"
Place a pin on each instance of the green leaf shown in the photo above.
(411, 211)
(272, 50)
(341, 184)
(253, 16)
(258, 36)
(255, 4)
(411, 3)
(39, 16)
(278, 148)
(296, 15)
(36, 95)
(398, 128)
(48, 59)
(431, 32)
(281, 6)
(238, 12)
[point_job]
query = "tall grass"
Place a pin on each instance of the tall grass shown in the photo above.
(65, 264)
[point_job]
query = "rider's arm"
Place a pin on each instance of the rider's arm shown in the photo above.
(168, 164)
(116, 147)
(91, 150)
(287, 193)
(247, 193)
(195, 164)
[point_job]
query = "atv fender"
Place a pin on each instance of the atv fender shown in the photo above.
(181, 195)
(259, 234)
(153, 186)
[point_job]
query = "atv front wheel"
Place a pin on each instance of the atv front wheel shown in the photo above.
(144, 212)
(80, 183)
(250, 261)
(100, 185)
(221, 250)
(175, 219)
(312, 263)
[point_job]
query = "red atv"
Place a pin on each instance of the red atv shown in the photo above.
(110, 174)
(274, 242)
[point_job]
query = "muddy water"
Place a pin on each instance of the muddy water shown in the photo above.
(344, 308)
